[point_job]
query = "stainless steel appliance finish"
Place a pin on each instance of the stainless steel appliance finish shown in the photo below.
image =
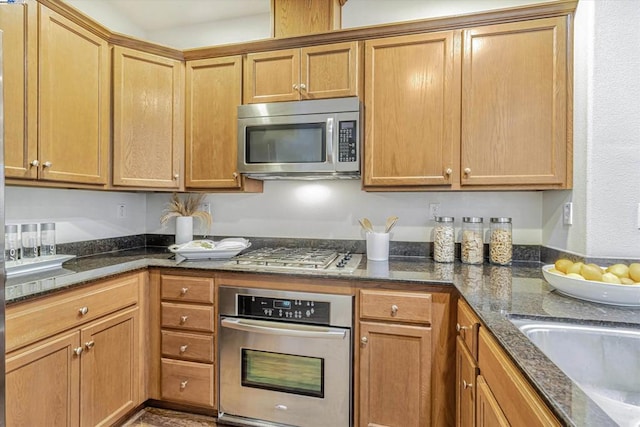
(284, 358)
(308, 259)
(315, 139)
(2, 272)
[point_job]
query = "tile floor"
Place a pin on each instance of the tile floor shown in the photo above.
(156, 417)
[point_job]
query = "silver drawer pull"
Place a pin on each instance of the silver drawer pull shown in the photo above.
(394, 310)
(183, 348)
(184, 291)
(364, 340)
(183, 384)
(77, 351)
(83, 311)
(89, 344)
(466, 385)
(183, 319)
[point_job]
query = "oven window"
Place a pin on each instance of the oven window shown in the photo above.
(301, 143)
(283, 372)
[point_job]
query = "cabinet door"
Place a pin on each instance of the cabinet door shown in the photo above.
(411, 109)
(466, 371)
(295, 17)
(489, 413)
(74, 101)
(214, 91)
(329, 71)
(42, 383)
(148, 119)
(514, 104)
(395, 375)
(272, 76)
(110, 368)
(19, 25)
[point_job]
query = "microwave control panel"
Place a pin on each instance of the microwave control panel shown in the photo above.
(301, 311)
(347, 141)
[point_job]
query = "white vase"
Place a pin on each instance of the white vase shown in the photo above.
(184, 229)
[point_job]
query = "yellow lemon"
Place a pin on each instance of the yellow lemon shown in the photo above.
(634, 272)
(611, 278)
(563, 264)
(575, 267)
(620, 270)
(575, 276)
(591, 272)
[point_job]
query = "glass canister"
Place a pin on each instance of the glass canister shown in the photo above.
(472, 244)
(29, 236)
(444, 240)
(500, 241)
(48, 238)
(11, 243)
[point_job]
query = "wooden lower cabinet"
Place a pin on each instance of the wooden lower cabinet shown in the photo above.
(488, 413)
(86, 377)
(395, 375)
(42, 383)
(466, 372)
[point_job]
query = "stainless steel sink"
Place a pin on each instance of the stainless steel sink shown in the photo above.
(603, 361)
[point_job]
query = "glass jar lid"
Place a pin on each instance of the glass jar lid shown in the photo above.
(11, 228)
(471, 219)
(500, 220)
(444, 219)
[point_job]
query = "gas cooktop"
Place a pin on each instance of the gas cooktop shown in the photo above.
(308, 259)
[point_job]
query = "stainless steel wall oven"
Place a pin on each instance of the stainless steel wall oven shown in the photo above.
(285, 358)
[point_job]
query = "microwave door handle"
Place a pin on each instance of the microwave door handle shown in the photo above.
(272, 328)
(330, 140)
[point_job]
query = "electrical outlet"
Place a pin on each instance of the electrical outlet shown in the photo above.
(206, 207)
(122, 211)
(434, 210)
(567, 213)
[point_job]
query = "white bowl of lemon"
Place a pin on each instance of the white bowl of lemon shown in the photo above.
(617, 284)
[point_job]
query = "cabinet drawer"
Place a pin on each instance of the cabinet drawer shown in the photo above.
(181, 288)
(397, 306)
(44, 317)
(467, 326)
(187, 382)
(181, 345)
(187, 317)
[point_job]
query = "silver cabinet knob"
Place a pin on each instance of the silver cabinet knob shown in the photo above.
(176, 176)
(394, 310)
(183, 348)
(83, 311)
(47, 164)
(35, 163)
(295, 87)
(183, 384)
(183, 319)
(364, 340)
(303, 86)
(77, 351)
(448, 171)
(89, 345)
(466, 385)
(467, 171)
(184, 291)
(235, 175)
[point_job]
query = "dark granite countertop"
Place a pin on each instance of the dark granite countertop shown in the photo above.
(495, 293)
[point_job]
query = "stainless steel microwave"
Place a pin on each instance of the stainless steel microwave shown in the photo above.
(315, 139)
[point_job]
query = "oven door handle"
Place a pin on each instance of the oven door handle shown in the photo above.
(273, 328)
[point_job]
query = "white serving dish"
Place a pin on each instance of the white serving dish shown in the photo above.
(209, 249)
(35, 265)
(589, 290)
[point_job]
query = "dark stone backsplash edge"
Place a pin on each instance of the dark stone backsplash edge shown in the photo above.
(530, 253)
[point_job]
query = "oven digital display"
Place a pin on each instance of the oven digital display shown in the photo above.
(284, 304)
(288, 373)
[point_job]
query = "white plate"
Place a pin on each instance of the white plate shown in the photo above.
(35, 265)
(209, 249)
(607, 293)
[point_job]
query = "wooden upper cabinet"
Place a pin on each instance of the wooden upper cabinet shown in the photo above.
(514, 105)
(74, 91)
(297, 17)
(325, 71)
(148, 120)
(411, 110)
(19, 25)
(213, 93)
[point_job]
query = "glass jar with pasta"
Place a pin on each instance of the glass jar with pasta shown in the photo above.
(472, 244)
(500, 241)
(444, 244)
